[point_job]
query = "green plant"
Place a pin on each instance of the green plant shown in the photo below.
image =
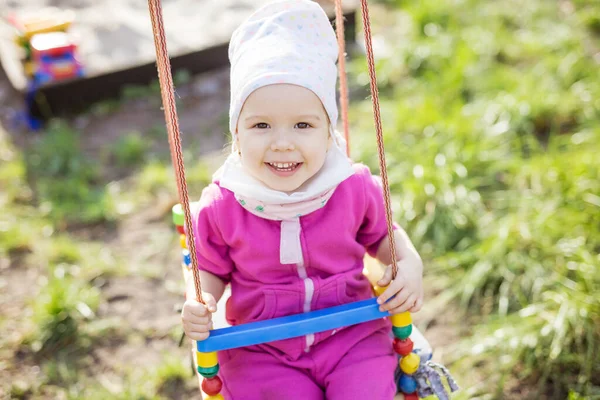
(61, 309)
(171, 376)
(130, 149)
(65, 181)
(155, 176)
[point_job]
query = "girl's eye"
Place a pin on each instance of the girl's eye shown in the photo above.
(262, 125)
(302, 125)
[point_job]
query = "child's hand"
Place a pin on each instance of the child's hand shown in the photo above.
(197, 317)
(407, 287)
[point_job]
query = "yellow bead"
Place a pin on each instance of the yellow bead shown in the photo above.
(402, 319)
(216, 397)
(410, 363)
(379, 290)
(207, 360)
(182, 241)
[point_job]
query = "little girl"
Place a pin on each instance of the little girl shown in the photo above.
(288, 219)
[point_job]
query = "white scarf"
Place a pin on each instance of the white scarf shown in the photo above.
(258, 199)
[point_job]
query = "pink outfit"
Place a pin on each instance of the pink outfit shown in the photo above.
(243, 249)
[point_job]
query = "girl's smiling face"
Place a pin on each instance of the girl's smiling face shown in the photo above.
(283, 135)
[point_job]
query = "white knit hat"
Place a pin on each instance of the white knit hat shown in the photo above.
(288, 41)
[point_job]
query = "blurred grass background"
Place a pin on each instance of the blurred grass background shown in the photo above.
(491, 115)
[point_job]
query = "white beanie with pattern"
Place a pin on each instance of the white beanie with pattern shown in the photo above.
(288, 41)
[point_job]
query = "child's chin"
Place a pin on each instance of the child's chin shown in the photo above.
(285, 187)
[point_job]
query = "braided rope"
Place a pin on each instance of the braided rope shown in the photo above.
(378, 129)
(339, 29)
(168, 100)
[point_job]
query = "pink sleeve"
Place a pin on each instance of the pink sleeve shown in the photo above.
(212, 251)
(374, 226)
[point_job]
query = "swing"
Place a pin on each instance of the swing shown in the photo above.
(416, 376)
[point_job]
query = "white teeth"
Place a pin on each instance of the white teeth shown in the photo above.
(284, 165)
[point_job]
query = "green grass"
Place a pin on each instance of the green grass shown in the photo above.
(59, 311)
(492, 137)
(130, 149)
(67, 183)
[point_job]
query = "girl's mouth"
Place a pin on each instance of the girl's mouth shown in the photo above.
(283, 168)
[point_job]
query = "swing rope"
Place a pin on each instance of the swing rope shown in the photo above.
(339, 30)
(379, 131)
(168, 99)
(169, 106)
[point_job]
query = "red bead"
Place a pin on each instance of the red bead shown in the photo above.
(180, 229)
(403, 347)
(212, 386)
(411, 396)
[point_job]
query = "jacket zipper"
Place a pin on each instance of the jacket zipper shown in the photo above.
(309, 290)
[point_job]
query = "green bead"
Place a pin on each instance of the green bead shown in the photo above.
(209, 372)
(178, 217)
(402, 332)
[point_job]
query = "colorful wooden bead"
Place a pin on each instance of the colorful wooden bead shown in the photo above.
(402, 332)
(411, 396)
(180, 229)
(207, 360)
(379, 290)
(209, 372)
(187, 259)
(407, 384)
(403, 346)
(402, 319)
(182, 241)
(178, 215)
(216, 397)
(409, 364)
(212, 386)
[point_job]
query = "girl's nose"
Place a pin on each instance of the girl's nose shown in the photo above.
(282, 142)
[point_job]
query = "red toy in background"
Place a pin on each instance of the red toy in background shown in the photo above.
(54, 57)
(49, 53)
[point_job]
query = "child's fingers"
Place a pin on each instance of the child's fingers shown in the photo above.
(194, 319)
(395, 287)
(198, 336)
(386, 278)
(196, 309)
(197, 331)
(210, 301)
(405, 306)
(197, 328)
(396, 301)
(417, 306)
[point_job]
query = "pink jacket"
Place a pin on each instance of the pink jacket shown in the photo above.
(243, 249)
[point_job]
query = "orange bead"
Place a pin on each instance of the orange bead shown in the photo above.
(410, 396)
(212, 386)
(403, 347)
